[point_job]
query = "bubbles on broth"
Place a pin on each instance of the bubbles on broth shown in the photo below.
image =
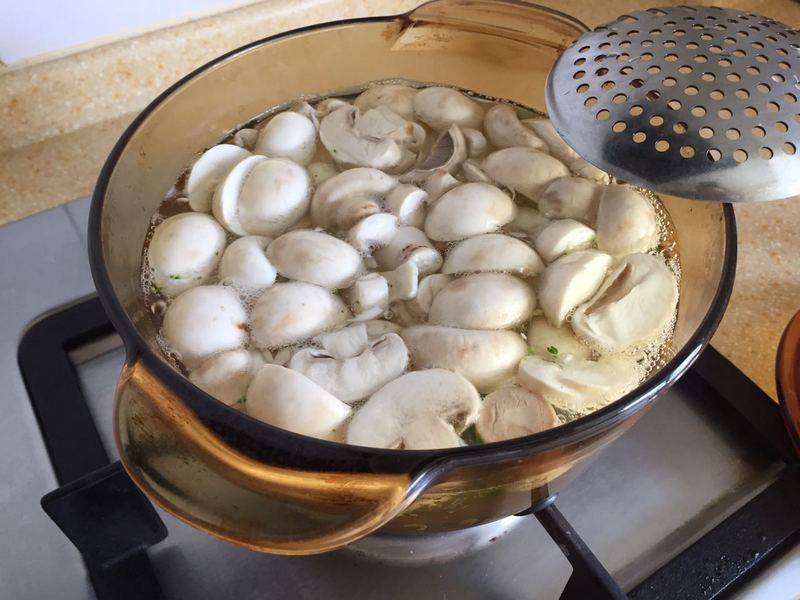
(650, 356)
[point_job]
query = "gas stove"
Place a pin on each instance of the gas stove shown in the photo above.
(701, 498)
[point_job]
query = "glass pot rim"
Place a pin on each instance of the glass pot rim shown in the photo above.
(279, 446)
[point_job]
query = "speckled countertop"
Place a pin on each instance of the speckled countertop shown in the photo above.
(60, 117)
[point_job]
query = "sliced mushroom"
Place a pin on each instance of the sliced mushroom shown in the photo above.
(513, 412)
(204, 321)
(626, 221)
(430, 433)
(355, 378)
(438, 183)
(504, 129)
(468, 209)
(635, 305)
(184, 252)
(570, 198)
(294, 311)
(446, 153)
(472, 171)
(570, 281)
(344, 343)
(399, 98)
(487, 359)
(441, 107)
(346, 198)
(476, 142)
(315, 257)
(279, 357)
(368, 297)
(329, 105)
(403, 281)
(493, 252)
(579, 385)
(430, 285)
(340, 135)
(208, 170)
(290, 400)
(245, 264)
(563, 152)
(378, 327)
(372, 232)
(528, 221)
(244, 138)
(288, 135)
(382, 122)
(562, 237)
(386, 419)
(227, 376)
(524, 170)
(320, 172)
(555, 343)
(409, 245)
(304, 108)
(407, 203)
(483, 301)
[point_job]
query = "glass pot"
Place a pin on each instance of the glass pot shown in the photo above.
(275, 491)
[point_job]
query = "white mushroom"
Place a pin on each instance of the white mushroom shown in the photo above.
(245, 264)
(368, 297)
(524, 170)
(344, 343)
(528, 221)
(327, 106)
(635, 305)
(487, 359)
(579, 385)
(562, 237)
(388, 416)
(295, 311)
(227, 376)
(315, 257)
(513, 412)
(346, 198)
(208, 171)
(372, 232)
(402, 281)
(626, 221)
(204, 321)
(554, 343)
(289, 400)
(279, 357)
(476, 142)
(493, 252)
(468, 209)
(570, 198)
(409, 245)
(570, 281)
(563, 152)
(383, 122)
(184, 252)
(399, 98)
(378, 327)
(407, 203)
(340, 135)
(483, 301)
(430, 433)
(355, 378)
(262, 196)
(288, 135)
(244, 138)
(441, 107)
(472, 171)
(430, 285)
(446, 153)
(437, 183)
(320, 172)
(504, 129)
(304, 108)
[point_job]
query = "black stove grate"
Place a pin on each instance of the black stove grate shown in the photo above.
(112, 523)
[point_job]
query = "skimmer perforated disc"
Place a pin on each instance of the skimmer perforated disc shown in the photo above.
(698, 102)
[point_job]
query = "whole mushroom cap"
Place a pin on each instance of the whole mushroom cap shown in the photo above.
(227, 376)
(399, 98)
(524, 170)
(315, 257)
(288, 135)
(441, 107)
(245, 264)
(208, 171)
(513, 412)
(467, 210)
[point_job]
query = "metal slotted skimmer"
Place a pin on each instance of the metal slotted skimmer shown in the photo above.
(697, 102)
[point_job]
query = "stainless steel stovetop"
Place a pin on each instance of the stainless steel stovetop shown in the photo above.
(675, 475)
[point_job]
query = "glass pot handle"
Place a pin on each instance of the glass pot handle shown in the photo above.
(190, 472)
(508, 18)
(787, 371)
